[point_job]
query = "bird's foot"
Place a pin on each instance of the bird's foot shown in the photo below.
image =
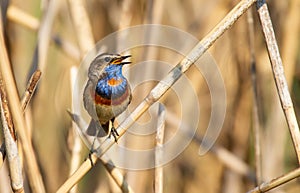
(92, 150)
(114, 133)
(90, 158)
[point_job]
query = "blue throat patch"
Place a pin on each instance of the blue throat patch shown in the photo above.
(107, 91)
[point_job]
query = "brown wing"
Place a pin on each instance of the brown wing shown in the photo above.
(88, 99)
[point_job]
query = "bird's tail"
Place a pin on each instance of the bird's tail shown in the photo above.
(95, 128)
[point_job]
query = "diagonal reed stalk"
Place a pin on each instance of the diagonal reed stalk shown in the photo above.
(269, 185)
(278, 72)
(18, 16)
(162, 87)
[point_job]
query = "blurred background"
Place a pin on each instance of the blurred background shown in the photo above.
(230, 165)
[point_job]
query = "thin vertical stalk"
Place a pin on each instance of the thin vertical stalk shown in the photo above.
(44, 34)
(77, 144)
(278, 72)
(159, 178)
(290, 40)
(255, 113)
(82, 26)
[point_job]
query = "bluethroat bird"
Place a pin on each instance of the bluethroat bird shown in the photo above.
(107, 93)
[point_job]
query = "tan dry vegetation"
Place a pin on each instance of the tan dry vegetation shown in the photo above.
(50, 126)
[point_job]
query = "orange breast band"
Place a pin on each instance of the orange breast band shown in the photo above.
(114, 82)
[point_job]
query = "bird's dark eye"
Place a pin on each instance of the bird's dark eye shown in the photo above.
(107, 59)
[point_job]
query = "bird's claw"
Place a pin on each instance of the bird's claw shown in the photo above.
(114, 133)
(90, 157)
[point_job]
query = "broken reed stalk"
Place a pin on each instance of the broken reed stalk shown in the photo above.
(14, 162)
(7, 113)
(31, 86)
(278, 72)
(266, 186)
(158, 185)
(255, 112)
(162, 87)
(11, 149)
(34, 176)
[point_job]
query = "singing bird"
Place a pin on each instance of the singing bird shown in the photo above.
(107, 93)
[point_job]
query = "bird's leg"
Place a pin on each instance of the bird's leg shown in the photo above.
(113, 130)
(92, 150)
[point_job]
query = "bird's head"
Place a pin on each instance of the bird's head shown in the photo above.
(106, 62)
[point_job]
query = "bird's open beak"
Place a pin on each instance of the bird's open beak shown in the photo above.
(119, 60)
